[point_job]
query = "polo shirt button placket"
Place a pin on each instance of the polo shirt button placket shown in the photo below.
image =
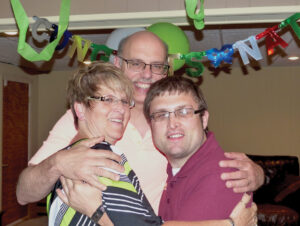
(171, 185)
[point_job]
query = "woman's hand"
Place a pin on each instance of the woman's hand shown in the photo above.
(82, 197)
(243, 216)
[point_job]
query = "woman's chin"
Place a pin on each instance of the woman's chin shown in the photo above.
(113, 139)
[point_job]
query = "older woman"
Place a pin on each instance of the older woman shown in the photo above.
(100, 97)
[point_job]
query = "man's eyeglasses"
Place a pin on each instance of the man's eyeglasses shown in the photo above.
(113, 100)
(182, 113)
(139, 66)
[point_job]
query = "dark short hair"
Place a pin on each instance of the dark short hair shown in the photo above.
(89, 79)
(173, 85)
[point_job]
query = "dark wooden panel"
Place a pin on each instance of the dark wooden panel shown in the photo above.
(15, 147)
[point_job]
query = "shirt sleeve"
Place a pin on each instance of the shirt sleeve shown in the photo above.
(59, 137)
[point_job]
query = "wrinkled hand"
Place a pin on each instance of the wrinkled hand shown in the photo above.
(85, 164)
(249, 176)
(80, 196)
(243, 216)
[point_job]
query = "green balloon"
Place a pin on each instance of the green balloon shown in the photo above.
(174, 37)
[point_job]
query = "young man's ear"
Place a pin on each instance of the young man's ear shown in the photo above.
(79, 110)
(204, 120)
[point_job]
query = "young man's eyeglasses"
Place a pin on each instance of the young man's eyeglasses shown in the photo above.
(181, 113)
(139, 66)
(109, 99)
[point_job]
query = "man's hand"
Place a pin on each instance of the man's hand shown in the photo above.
(242, 215)
(249, 176)
(80, 162)
(86, 164)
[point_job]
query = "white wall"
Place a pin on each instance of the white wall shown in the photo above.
(258, 113)
(51, 8)
(51, 101)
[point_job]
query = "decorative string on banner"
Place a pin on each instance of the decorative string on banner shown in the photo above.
(191, 8)
(24, 49)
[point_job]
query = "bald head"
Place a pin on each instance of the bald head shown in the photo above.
(145, 38)
(146, 48)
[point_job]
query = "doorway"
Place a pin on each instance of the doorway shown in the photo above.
(14, 146)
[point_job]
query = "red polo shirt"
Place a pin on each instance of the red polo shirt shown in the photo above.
(197, 192)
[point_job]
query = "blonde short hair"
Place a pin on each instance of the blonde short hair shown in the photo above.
(89, 79)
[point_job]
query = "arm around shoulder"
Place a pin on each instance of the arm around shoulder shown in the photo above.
(36, 181)
(249, 177)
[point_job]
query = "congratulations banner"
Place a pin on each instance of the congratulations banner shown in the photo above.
(247, 47)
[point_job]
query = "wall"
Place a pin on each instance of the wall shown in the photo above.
(107, 14)
(122, 6)
(258, 113)
(51, 101)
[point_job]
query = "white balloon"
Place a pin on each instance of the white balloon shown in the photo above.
(117, 35)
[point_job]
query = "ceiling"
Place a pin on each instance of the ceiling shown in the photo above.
(213, 36)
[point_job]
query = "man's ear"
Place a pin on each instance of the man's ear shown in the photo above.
(79, 110)
(117, 62)
(204, 120)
